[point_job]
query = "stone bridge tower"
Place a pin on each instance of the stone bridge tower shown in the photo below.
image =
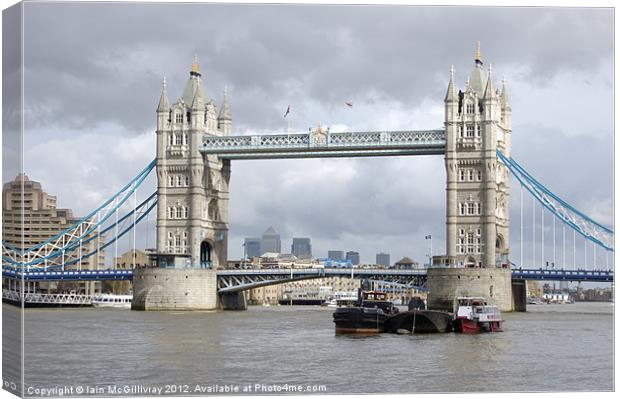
(192, 203)
(192, 206)
(477, 124)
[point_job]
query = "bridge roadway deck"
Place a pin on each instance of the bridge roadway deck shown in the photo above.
(233, 280)
(328, 145)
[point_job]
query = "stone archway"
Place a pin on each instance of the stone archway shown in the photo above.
(205, 255)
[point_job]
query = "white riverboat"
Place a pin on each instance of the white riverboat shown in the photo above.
(112, 301)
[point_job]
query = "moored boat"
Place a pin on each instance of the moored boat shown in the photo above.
(367, 315)
(474, 315)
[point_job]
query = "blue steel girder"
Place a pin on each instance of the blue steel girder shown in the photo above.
(329, 145)
(240, 280)
(244, 279)
(68, 275)
(564, 275)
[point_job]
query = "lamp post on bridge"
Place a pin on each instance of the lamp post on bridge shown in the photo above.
(244, 264)
(430, 250)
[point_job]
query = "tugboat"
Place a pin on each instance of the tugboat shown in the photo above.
(475, 315)
(367, 317)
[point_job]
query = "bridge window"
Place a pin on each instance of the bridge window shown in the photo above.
(470, 175)
(478, 130)
(478, 208)
(170, 139)
(186, 180)
(179, 213)
(178, 118)
(461, 232)
(185, 138)
(470, 131)
(171, 212)
(470, 209)
(470, 238)
(171, 181)
(177, 241)
(462, 208)
(461, 174)
(470, 108)
(178, 181)
(184, 212)
(459, 130)
(479, 175)
(478, 232)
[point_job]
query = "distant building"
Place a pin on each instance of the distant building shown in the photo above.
(42, 220)
(354, 257)
(301, 247)
(406, 263)
(335, 255)
(270, 241)
(252, 247)
(383, 259)
(131, 259)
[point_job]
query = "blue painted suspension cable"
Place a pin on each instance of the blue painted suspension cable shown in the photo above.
(576, 228)
(58, 252)
(73, 246)
(549, 192)
(139, 177)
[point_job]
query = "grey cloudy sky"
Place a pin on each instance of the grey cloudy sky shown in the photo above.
(93, 76)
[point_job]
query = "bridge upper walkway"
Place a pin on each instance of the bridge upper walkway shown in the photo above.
(311, 145)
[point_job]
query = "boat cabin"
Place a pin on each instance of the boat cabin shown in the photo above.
(374, 296)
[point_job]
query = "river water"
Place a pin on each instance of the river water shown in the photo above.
(275, 349)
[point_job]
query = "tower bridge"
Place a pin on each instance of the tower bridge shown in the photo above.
(195, 150)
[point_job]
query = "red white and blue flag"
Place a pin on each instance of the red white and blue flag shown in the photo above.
(349, 103)
(288, 111)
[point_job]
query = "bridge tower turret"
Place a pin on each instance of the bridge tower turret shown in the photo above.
(477, 124)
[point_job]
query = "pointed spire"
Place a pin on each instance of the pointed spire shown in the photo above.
(164, 104)
(504, 96)
(225, 108)
(195, 66)
(451, 94)
(478, 58)
(489, 91)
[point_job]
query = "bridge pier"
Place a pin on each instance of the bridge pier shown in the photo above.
(233, 301)
(174, 289)
(445, 284)
(519, 295)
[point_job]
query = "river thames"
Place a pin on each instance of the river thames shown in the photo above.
(549, 348)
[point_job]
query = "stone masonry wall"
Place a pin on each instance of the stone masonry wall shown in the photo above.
(174, 289)
(445, 284)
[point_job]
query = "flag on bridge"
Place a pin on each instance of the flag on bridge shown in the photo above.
(288, 111)
(349, 103)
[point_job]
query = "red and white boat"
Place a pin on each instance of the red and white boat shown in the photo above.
(475, 315)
